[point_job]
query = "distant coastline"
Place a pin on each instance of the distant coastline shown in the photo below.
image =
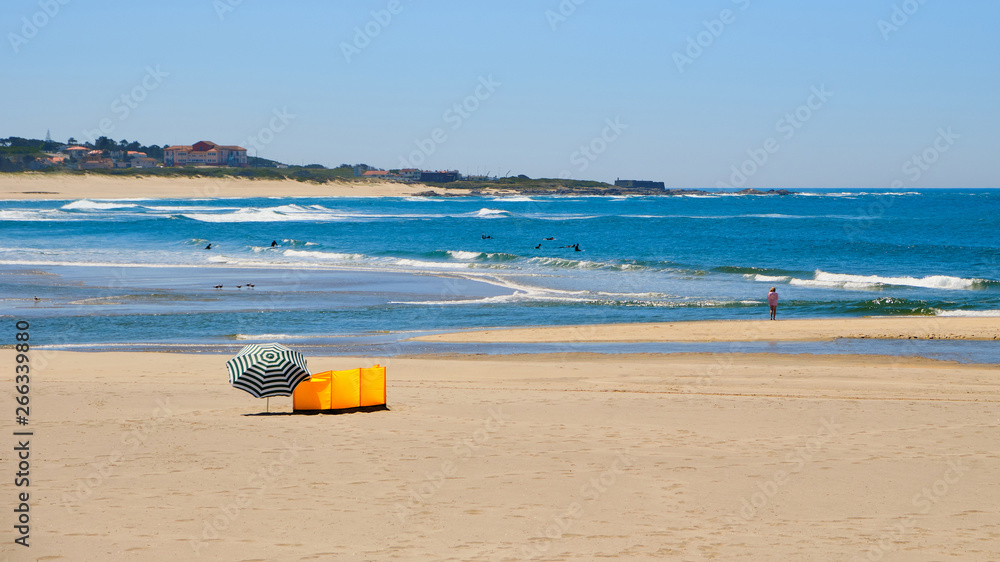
(224, 182)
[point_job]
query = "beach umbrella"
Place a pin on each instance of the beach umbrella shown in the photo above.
(266, 370)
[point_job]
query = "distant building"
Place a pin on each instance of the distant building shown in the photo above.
(76, 152)
(439, 177)
(375, 174)
(205, 153)
(97, 164)
(409, 174)
(144, 162)
(635, 184)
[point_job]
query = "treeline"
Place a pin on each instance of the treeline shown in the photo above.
(106, 144)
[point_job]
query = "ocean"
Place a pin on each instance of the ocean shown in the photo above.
(362, 274)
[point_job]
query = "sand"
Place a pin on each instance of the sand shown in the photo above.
(95, 186)
(825, 329)
(142, 456)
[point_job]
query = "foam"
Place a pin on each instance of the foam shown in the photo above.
(968, 313)
(460, 255)
(486, 213)
(88, 205)
(323, 255)
(431, 264)
(846, 281)
(767, 278)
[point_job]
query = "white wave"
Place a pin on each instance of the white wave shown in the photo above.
(853, 194)
(189, 208)
(431, 264)
(767, 278)
(486, 213)
(968, 313)
(88, 205)
(516, 199)
(270, 337)
(32, 215)
(846, 281)
(562, 217)
(322, 255)
(460, 255)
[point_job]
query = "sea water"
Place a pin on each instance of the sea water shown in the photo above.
(113, 273)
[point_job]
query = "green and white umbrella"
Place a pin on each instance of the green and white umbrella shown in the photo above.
(266, 370)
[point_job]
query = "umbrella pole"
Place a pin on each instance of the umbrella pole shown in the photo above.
(268, 407)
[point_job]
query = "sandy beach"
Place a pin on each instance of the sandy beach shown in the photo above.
(94, 186)
(928, 327)
(552, 457)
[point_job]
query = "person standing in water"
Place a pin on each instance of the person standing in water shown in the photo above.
(772, 300)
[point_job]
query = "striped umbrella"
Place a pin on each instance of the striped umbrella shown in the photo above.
(266, 370)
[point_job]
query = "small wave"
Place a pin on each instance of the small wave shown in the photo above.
(431, 264)
(30, 215)
(767, 278)
(968, 313)
(460, 255)
(932, 282)
(267, 337)
(486, 213)
(88, 205)
(322, 255)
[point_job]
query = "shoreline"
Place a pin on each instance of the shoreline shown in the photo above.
(714, 331)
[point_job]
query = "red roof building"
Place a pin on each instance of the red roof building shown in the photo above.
(205, 153)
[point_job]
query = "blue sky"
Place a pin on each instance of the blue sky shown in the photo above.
(588, 89)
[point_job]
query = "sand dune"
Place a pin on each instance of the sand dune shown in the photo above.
(559, 457)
